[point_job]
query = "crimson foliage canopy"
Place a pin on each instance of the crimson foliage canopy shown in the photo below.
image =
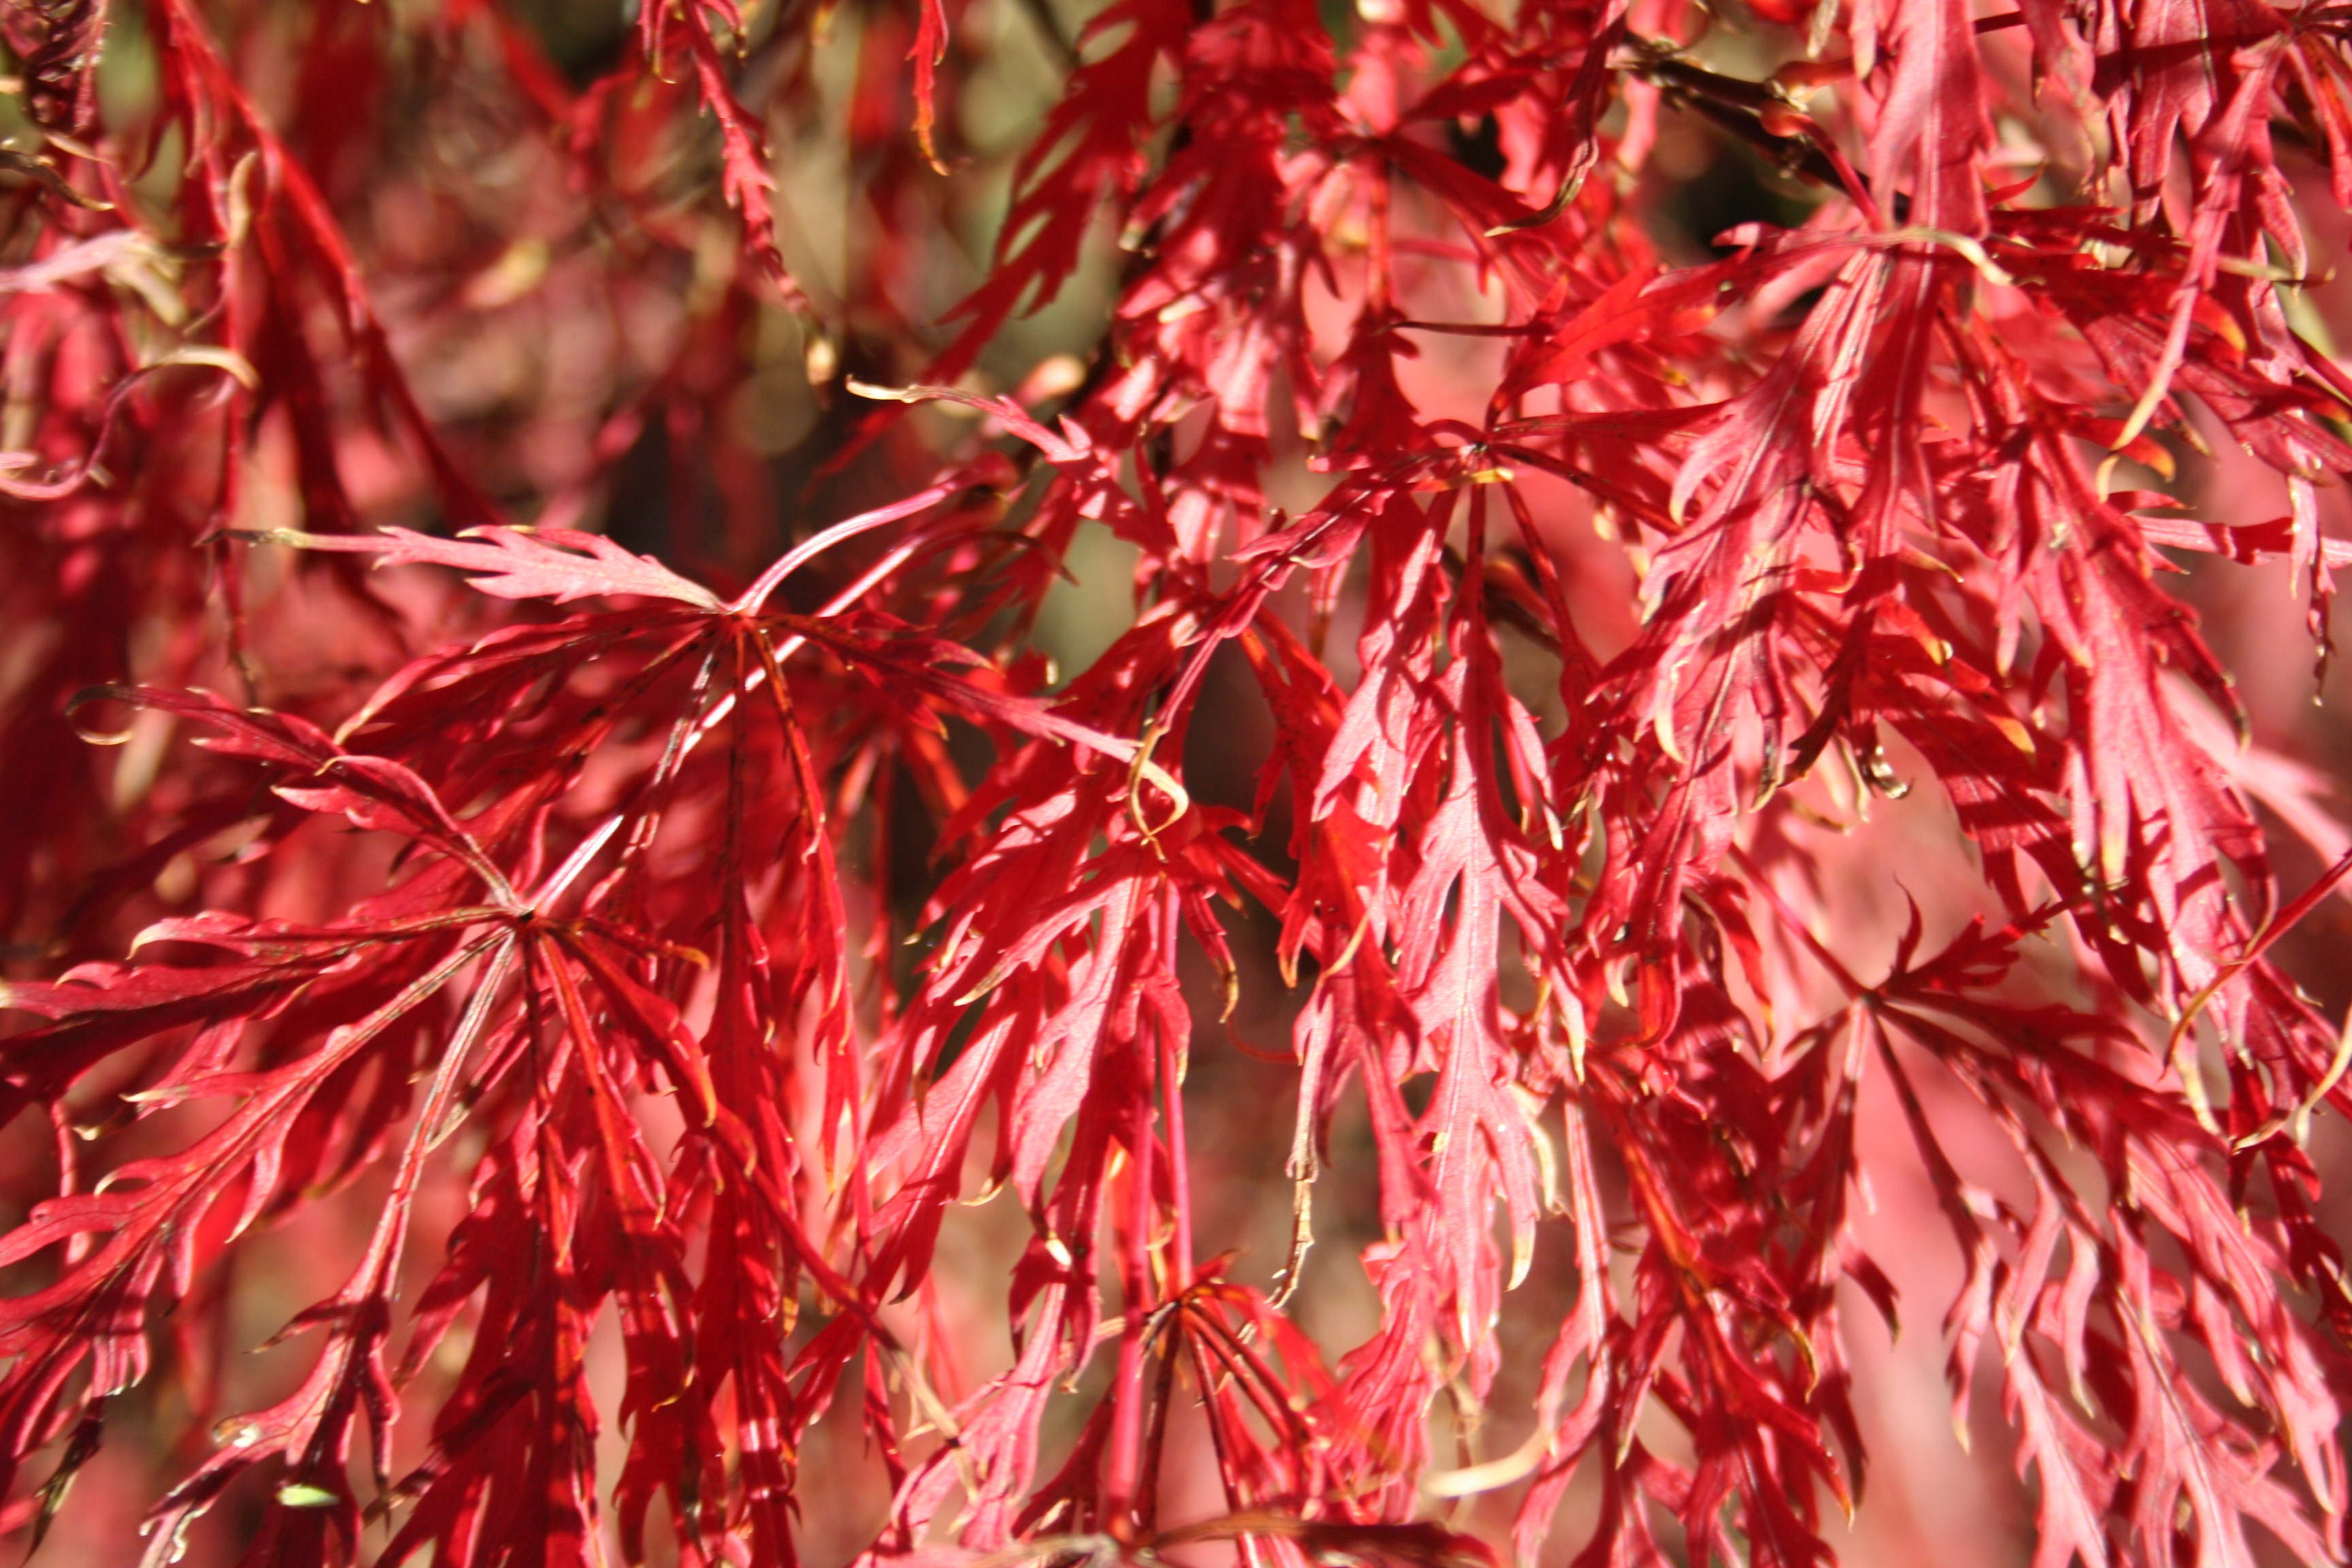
(1622, 754)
